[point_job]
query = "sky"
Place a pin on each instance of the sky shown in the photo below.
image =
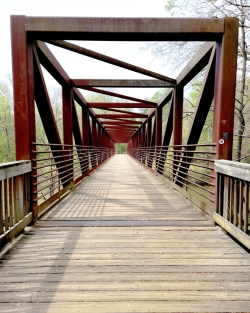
(78, 66)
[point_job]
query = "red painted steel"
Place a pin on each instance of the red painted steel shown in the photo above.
(178, 116)
(23, 84)
(30, 54)
(158, 121)
(67, 116)
(107, 59)
(225, 83)
(126, 29)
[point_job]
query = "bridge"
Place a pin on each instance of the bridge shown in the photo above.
(162, 228)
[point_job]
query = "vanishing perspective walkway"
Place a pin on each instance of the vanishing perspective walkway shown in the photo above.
(124, 242)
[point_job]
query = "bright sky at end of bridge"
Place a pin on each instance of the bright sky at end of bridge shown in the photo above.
(78, 66)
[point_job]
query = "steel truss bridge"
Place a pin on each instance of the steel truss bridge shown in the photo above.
(162, 228)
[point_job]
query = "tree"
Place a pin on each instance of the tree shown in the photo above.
(7, 142)
(168, 51)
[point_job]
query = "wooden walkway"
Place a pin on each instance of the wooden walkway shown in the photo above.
(171, 260)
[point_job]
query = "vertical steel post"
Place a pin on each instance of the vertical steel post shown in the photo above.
(225, 83)
(67, 116)
(23, 78)
(99, 135)
(177, 124)
(85, 137)
(158, 121)
(149, 131)
(178, 115)
(24, 104)
(85, 126)
(68, 127)
(94, 133)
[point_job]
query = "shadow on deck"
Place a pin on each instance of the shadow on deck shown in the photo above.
(170, 259)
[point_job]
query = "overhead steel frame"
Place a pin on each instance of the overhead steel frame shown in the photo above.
(29, 52)
(220, 57)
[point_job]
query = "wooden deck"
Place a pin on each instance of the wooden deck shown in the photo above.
(151, 252)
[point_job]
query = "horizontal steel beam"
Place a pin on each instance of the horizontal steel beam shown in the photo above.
(120, 122)
(122, 111)
(131, 115)
(121, 83)
(117, 95)
(124, 105)
(126, 29)
(107, 59)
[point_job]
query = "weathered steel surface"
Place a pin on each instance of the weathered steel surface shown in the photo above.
(121, 83)
(130, 115)
(177, 116)
(125, 29)
(121, 122)
(225, 83)
(106, 105)
(67, 116)
(107, 59)
(22, 71)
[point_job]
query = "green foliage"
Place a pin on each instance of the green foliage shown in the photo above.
(170, 6)
(7, 150)
(120, 148)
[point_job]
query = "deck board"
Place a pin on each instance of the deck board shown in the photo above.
(64, 264)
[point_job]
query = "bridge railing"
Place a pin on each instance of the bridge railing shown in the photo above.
(188, 168)
(56, 169)
(233, 196)
(15, 209)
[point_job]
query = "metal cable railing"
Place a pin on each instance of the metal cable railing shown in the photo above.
(190, 167)
(57, 168)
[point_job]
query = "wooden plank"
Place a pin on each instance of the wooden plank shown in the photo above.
(55, 267)
(128, 307)
(113, 296)
(234, 169)
(234, 231)
(6, 237)
(12, 169)
(154, 285)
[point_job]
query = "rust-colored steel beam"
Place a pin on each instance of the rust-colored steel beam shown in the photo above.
(122, 111)
(178, 116)
(44, 104)
(23, 83)
(67, 116)
(225, 84)
(124, 105)
(123, 120)
(148, 104)
(169, 124)
(121, 83)
(125, 29)
(149, 131)
(120, 122)
(76, 126)
(85, 126)
(130, 115)
(51, 64)
(130, 127)
(94, 132)
(203, 104)
(107, 59)
(158, 129)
